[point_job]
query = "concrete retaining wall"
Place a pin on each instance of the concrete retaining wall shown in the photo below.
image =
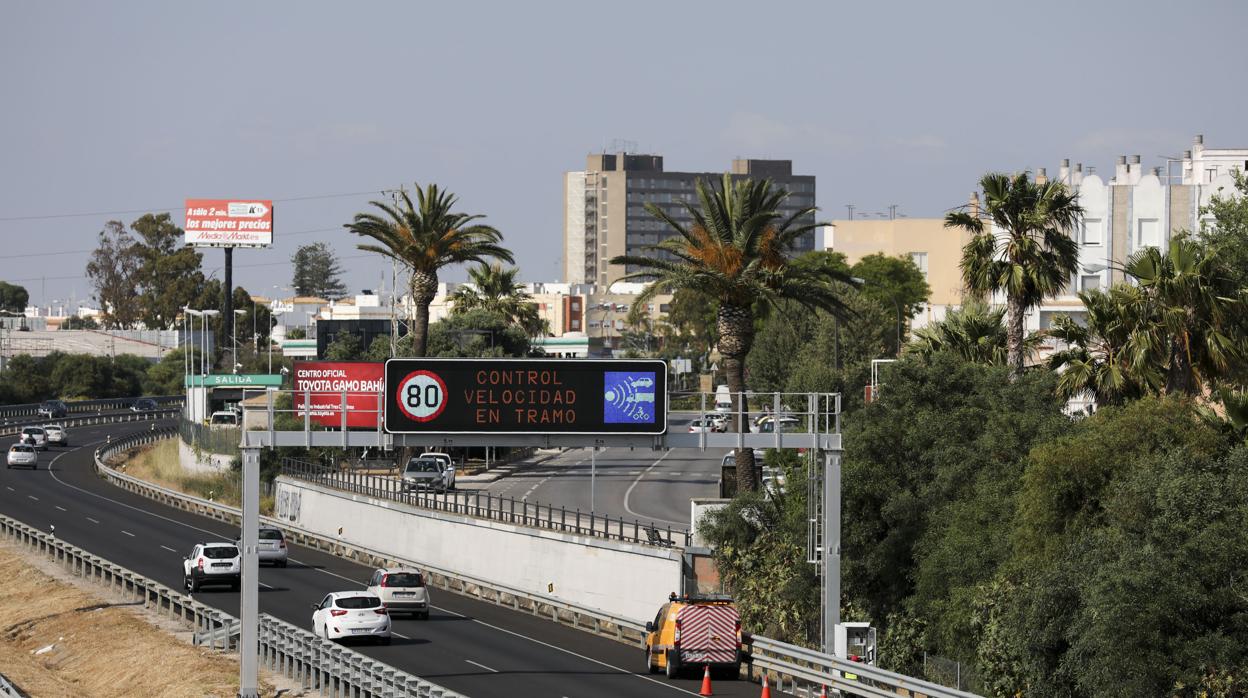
(624, 579)
(203, 461)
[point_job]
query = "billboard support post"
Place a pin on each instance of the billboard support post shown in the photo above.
(227, 315)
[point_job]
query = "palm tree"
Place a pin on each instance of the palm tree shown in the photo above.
(1107, 355)
(973, 332)
(1022, 247)
(1196, 310)
(495, 289)
(424, 238)
(735, 250)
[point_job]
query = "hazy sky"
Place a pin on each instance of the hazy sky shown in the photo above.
(128, 106)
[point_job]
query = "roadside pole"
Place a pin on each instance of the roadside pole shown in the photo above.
(831, 548)
(249, 608)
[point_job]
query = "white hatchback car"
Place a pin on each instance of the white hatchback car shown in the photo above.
(56, 434)
(448, 467)
(36, 437)
(402, 590)
(344, 614)
(23, 455)
(212, 563)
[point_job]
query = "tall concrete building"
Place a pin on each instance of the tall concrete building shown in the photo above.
(604, 211)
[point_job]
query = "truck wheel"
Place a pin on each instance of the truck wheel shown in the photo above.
(650, 667)
(673, 665)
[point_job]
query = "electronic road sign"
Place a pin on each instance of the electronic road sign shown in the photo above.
(526, 396)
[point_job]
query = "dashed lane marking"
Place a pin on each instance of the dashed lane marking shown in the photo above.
(61, 508)
(127, 533)
(9, 488)
(168, 548)
(481, 665)
(94, 521)
(31, 496)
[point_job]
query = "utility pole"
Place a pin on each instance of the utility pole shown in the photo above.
(249, 606)
(850, 207)
(227, 312)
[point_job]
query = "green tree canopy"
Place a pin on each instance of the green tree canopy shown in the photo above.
(114, 270)
(496, 290)
(424, 237)
(13, 298)
(735, 250)
(1020, 247)
(897, 284)
(169, 274)
(317, 272)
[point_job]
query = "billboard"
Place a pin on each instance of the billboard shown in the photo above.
(229, 222)
(526, 396)
(322, 382)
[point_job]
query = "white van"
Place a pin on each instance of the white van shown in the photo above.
(723, 400)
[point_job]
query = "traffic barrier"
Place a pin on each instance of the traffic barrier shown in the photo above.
(125, 417)
(316, 663)
(8, 412)
(766, 688)
(706, 681)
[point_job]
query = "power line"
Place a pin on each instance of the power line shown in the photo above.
(65, 252)
(169, 209)
(209, 271)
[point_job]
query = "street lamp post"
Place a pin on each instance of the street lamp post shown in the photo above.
(272, 316)
(234, 340)
(205, 365)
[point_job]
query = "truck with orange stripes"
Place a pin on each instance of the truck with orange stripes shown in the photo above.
(694, 631)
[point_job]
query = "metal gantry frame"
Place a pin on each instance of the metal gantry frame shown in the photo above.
(821, 436)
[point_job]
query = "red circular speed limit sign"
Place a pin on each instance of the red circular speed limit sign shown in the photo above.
(422, 395)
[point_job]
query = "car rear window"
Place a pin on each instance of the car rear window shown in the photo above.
(270, 534)
(358, 602)
(404, 579)
(33, 430)
(221, 552)
(23, 449)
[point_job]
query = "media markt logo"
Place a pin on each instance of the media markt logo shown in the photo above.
(628, 397)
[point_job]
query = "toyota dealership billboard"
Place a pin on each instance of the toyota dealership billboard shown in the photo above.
(229, 222)
(321, 384)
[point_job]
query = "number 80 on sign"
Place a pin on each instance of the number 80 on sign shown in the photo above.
(422, 395)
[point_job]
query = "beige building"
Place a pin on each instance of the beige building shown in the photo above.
(605, 208)
(935, 249)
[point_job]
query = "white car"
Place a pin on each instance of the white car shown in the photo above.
(402, 590)
(448, 467)
(56, 434)
(701, 426)
(35, 436)
(271, 546)
(23, 455)
(344, 614)
(212, 563)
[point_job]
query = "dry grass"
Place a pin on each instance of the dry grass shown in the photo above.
(159, 464)
(97, 648)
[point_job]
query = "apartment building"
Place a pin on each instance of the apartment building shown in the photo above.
(605, 208)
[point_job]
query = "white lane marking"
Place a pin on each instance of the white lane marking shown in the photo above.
(629, 493)
(9, 488)
(58, 506)
(31, 496)
(481, 665)
(357, 582)
(400, 635)
(168, 548)
(266, 586)
(94, 521)
(127, 533)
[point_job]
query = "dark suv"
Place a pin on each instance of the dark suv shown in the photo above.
(144, 404)
(53, 409)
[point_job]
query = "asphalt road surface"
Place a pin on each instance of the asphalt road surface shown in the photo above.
(634, 484)
(468, 646)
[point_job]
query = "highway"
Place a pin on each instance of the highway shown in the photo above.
(634, 484)
(468, 646)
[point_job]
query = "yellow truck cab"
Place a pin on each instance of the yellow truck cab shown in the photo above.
(694, 631)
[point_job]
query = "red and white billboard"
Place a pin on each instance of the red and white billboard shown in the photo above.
(323, 382)
(229, 222)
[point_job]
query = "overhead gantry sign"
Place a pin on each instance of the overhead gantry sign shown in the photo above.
(525, 396)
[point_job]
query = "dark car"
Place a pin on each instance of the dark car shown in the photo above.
(144, 404)
(53, 409)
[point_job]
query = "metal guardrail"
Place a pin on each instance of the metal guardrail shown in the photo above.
(295, 653)
(12, 429)
(7, 689)
(804, 670)
(32, 408)
(493, 507)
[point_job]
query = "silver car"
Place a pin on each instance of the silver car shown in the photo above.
(35, 436)
(56, 434)
(402, 590)
(23, 455)
(271, 546)
(424, 474)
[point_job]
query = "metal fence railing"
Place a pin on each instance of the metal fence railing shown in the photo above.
(67, 422)
(7, 688)
(85, 406)
(219, 439)
(295, 653)
(493, 507)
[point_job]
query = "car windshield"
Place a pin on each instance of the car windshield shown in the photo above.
(424, 465)
(145, 403)
(358, 602)
(223, 419)
(404, 579)
(270, 534)
(221, 552)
